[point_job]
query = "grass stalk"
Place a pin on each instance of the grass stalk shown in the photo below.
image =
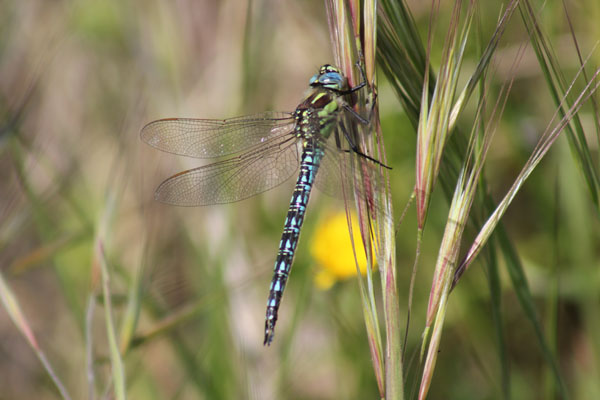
(116, 361)
(12, 307)
(376, 227)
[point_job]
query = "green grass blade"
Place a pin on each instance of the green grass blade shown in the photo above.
(116, 361)
(557, 84)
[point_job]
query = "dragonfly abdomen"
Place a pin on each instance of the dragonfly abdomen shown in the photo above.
(310, 160)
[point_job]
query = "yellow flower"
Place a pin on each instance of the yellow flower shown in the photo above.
(332, 249)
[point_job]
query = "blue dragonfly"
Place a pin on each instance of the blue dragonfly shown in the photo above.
(264, 150)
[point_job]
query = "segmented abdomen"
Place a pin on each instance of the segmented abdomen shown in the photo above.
(310, 160)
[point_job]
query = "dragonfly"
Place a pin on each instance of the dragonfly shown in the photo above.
(263, 150)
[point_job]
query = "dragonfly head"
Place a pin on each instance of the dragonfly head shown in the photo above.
(329, 77)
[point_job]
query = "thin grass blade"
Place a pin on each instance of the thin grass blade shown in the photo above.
(12, 307)
(116, 361)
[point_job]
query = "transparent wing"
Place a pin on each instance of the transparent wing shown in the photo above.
(234, 179)
(330, 178)
(335, 176)
(211, 138)
(344, 174)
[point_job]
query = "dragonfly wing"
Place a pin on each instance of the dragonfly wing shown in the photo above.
(329, 179)
(334, 177)
(343, 173)
(234, 179)
(211, 138)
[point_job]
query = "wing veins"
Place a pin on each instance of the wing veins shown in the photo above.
(207, 138)
(230, 168)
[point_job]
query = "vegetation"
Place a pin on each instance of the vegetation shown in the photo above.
(486, 281)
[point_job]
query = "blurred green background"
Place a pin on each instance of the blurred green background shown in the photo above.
(78, 80)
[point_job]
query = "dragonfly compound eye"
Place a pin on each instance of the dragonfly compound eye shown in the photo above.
(329, 77)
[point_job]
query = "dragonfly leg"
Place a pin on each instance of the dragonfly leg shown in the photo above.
(360, 85)
(347, 107)
(356, 115)
(355, 148)
(360, 118)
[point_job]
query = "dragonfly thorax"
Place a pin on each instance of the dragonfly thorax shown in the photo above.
(317, 115)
